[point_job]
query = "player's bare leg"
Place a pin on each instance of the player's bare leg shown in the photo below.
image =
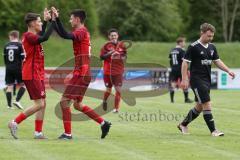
(117, 99)
(65, 104)
(39, 122)
(38, 105)
(192, 114)
(208, 117)
(106, 95)
(105, 125)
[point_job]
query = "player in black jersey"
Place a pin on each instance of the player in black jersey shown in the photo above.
(13, 57)
(176, 57)
(200, 55)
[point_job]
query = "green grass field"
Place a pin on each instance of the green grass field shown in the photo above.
(58, 50)
(131, 140)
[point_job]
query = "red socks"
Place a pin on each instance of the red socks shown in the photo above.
(38, 125)
(117, 100)
(20, 118)
(93, 115)
(106, 95)
(66, 116)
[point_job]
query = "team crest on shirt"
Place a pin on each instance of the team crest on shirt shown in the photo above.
(120, 49)
(42, 93)
(201, 52)
(212, 51)
(42, 51)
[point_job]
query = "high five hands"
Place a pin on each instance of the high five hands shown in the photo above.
(50, 14)
(55, 13)
(46, 15)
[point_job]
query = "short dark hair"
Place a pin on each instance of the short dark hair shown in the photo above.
(207, 27)
(112, 30)
(29, 17)
(81, 14)
(14, 33)
(180, 39)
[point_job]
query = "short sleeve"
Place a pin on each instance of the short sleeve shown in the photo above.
(5, 54)
(4, 51)
(182, 53)
(188, 55)
(215, 56)
(21, 51)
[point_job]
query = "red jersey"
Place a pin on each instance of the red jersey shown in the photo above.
(82, 51)
(114, 65)
(33, 64)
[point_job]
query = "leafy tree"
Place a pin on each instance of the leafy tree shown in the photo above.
(141, 19)
(223, 14)
(13, 12)
(65, 7)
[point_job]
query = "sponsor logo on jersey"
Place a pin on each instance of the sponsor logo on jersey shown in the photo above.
(206, 62)
(175, 52)
(212, 51)
(42, 51)
(42, 93)
(12, 47)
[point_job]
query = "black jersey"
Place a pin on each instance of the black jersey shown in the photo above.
(176, 56)
(13, 55)
(201, 58)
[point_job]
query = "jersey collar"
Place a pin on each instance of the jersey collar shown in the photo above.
(205, 46)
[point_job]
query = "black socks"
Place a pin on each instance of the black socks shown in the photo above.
(208, 117)
(192, 114)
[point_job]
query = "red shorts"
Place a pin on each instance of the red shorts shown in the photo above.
(110, 80)
(35, 88)
(77, 87)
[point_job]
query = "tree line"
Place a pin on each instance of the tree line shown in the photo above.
(140, 20)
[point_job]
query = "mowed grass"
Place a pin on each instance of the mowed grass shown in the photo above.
(129, 138)
(58, 50)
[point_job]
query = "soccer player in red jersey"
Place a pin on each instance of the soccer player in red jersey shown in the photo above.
(33, 71)
(113, 67)
(78, 85)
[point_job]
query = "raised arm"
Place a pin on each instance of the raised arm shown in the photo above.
(46, 17)
(219, 63)
(46, 35)
(58, 26)
(44, 26)
(61, 30)
(4, 55)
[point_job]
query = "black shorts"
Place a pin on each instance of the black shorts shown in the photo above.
(13, 76)
(201, 91)
(175, 76)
